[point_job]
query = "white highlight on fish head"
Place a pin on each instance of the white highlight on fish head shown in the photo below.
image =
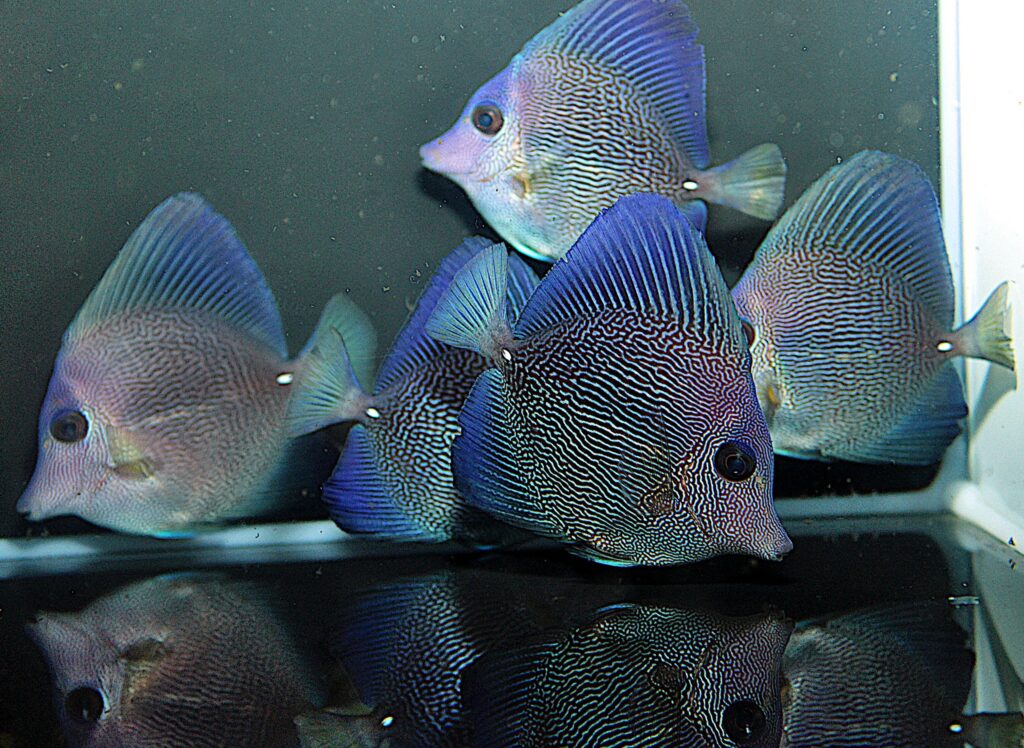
(372, 413)
(690, 185)
(285, 378)
(387, 721)
(956, 728)
(506, 354)
(944, 346)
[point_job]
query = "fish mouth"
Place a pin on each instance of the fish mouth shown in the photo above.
(783, 546)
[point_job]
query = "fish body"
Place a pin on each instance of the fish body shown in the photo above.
(896, 676)
(619, 416)
(179, 660)
(850, 305)
(634, 675)
(607, 101)
(165, 412)
(394, 477)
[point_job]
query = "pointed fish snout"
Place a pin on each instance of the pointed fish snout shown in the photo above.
(780, 548)
(429, 154)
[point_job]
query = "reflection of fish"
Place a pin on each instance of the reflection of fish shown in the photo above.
(394, 478)
(607, 101)
(620, 417)
(176, 661)
(166, 407)
(634, 675)
(850, 306)
(895, 676)
(404, 646)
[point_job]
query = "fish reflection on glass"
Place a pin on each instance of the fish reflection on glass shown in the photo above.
(634, 675)
(394, 477)
(404, 646)
(607, 101)
(849, 303)
(165, 412)
(177, 660)
(894, 676)
(620, 417)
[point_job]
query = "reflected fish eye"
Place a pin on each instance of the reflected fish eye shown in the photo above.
(84, 705)
(744, 722)
(69, 426)
(748, 332)
(734, 462)
(488, 119)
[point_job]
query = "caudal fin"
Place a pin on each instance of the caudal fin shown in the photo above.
(754, 183)
(472, 311)
(326, 388)
(988, 334)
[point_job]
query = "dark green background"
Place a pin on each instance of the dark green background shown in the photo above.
(300, 122)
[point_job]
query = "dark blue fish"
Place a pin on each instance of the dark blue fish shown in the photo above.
(394, 477)
(620, 416)
(634, 676)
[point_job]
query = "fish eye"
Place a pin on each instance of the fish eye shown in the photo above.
(748, 331)
(84, 705)
(488, 119)
(744, 722)
(734, 462)
(69, 426)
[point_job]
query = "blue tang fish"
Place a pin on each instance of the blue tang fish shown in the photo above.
(849, 306)
(178, 660)
(607, 101)
(620, 416)
(166, 409)
(635, 675)
(394, 477)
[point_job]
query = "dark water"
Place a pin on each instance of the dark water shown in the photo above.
(300, 122)
(218, 652)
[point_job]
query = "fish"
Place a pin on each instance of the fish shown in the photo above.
(634, 675)
(605, 102)
(618, 416)
(178, 660)
(848, 304)
(404, 645)
(394, 477)
(166, 410)
(895, 675)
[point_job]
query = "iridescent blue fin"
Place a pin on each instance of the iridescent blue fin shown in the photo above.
(880, 209)
(487, 472)
(924, 433)
(753, 182)
(499, 687)
(358, 499)
(413, 347)
(653, 45)
(185, 255)
(696, 212)
(471, 312)
(326, 388)
(522, 282)
(640, 254)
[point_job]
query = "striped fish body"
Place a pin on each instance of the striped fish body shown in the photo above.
(635, 675)
(608, 101)
(849, 302)
(619, 416)
(612, 419)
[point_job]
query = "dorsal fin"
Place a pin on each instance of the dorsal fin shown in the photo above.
(522, 282)
(414, 346)
(185, 255)
(654, 44)
(880, 209)
(640, 254)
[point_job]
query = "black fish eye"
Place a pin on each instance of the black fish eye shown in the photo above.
(488, 119)
(84, 705)
(69, 426)
(744, 722)
(748, 331)
(734, 462)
